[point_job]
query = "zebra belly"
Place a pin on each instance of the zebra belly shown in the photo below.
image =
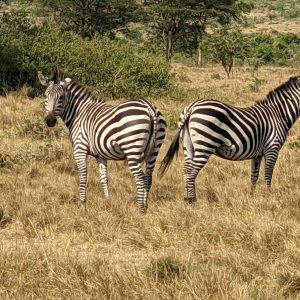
(108, 152)
(226, 152)
(230, 153)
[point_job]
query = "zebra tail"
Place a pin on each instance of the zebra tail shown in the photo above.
(151, 145)
(173, 149)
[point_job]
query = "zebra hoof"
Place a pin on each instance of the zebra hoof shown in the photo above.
(81, 204)
(190, 200)
(142, 209)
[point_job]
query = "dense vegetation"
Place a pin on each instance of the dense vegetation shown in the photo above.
(123, 48)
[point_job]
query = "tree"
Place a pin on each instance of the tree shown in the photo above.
(164, 18)
(181, 20)
(87, 17)
(226, 46)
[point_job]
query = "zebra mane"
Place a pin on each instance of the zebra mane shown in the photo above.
(283, 87)
(59, 76)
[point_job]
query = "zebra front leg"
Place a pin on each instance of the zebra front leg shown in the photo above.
(103, 175)
(270, 159)
(140, 178)
(81, 161)
(255, 165)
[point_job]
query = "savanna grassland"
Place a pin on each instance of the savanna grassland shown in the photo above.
(229, 245)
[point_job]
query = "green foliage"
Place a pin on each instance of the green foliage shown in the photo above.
(114, 67)
(256, 49)
(280, 49)
(224, 47)
(180, 24)
(87, 18)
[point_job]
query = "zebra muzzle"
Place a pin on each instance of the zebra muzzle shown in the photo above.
(50, 120)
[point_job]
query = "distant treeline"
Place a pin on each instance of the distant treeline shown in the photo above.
(123, 48)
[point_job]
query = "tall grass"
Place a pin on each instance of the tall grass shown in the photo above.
(229, 245)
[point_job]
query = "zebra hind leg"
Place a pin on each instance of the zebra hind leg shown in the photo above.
(103, 176)
(191, 168)
(150, 164)
(140, 179)
(255, 165)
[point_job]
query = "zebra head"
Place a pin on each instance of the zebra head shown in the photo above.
(54, 98)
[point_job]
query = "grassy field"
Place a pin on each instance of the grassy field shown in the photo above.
(229, 245)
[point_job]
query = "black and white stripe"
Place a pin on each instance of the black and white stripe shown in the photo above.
(211, 127)
(133, 130)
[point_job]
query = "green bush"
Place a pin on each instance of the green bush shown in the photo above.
(256, 49)
(279, 49)
(113, 67)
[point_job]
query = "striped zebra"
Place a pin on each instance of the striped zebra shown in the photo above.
(211, 127)
(133, 130)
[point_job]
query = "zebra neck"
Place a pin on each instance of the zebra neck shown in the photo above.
(78, 107)
(287, 110)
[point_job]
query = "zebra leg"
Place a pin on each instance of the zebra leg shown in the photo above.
(81, 161)
(270, 159)
(255, 165)
(140, 180)
(103, 175)
(191, 168)
(148, 175)
(150, 164)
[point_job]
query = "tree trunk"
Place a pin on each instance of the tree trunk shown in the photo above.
(200, 55)
(228, 66)
(169, 45)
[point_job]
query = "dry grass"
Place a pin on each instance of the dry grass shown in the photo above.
(261, 23)
(266, 20)
(228, 245)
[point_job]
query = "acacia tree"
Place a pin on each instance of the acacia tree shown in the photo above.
(226, 46)
(164, 20)
(177, 20)
(87, 17)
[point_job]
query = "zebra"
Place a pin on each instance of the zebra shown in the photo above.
(210, 126)
(132, 131)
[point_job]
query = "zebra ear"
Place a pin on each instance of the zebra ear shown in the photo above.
(66, 81)
(43, 80)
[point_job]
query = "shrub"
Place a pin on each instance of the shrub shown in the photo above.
(280, 49)
(225, 47)
(114, 67)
